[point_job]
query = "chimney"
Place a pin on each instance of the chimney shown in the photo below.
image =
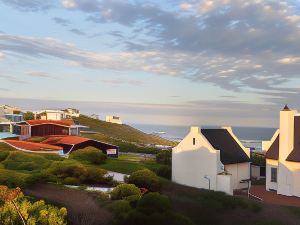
(286, 133)
(195, 130)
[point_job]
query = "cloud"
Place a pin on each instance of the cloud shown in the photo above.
(29, 5)
(200, 112)
(13, 79)
(185, 6)
(118, 82)
(77, 31)
(84, 5)
(2, 55)
(4, 89)
(61, 21)
(37, 74)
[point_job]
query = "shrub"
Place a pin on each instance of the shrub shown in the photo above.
(71, 181)
(3, 155)
(154, 203)
(25, 161)
(120, 206)
(164, 171)
(164, 157)
(124, 190)
(145, 179)
(87, 175)
(89, 155)
(12, 178)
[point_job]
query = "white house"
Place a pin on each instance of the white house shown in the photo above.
(114, 119)
(211, 159)
(70, 112)
(50, 114)
(283, 156)
(6, 109)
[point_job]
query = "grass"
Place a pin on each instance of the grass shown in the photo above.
(121, 132)
(127, 166)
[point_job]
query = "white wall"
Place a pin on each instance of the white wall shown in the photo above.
(239, 171)
(224, 183)
(190, 163)
(269, 164)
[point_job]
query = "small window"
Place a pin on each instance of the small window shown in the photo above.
(194, 141)
(274, 175)
(262, 171)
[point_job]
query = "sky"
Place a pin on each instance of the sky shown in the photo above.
(221, 62)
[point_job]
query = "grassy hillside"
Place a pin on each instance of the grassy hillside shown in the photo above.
(122, 132)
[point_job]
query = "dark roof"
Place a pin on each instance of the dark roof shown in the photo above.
(273, 151)
(286, 108)
(294, 156)
(230, 151)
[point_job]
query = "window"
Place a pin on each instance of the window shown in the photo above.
(262, 171)
(274, 175)
(194, 141)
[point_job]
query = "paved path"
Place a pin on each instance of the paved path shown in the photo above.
(272, 197)
(117, 176)
(82, 206)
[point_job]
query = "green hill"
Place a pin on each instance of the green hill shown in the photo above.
(124, 133)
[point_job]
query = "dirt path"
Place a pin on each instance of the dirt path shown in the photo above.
(82, 206)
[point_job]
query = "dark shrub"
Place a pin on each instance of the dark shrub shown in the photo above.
(3, 155)
(71, 181)
(89, 155)
(120, 206)
(25, 161)
(154, 203)
(124, 190)
(85, 175)
(164, 157)
(12, 178)
(164, 171)
(145, 179)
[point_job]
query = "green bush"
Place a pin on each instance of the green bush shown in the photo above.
(164, 171)
(154, 203)
(25, 161)
(164, 157)
(3, 155)
(124, 190)
(120, 206)
(12, 178)
(89, 155)
(59, 171)
(145, 179)
(71, 181)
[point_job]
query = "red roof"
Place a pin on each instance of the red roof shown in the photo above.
(66, 123)
(67, 140)
(32, 146)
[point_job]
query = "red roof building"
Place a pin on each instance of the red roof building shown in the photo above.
(33, 147)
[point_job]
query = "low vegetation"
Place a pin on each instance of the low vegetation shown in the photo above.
(145, 179)
(121, 132)
(17, 209)
(89, 155)
(124, 191)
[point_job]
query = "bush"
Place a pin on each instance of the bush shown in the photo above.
(59, 171)
(120, 206)
(71, 181)
(124, 190)
(145, 179)
(25, 161)
(154, 203)
(164, 157)
(3, 155)
(89, 155)
(12, 178)
(164, 171)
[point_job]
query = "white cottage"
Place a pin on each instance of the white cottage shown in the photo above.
(283, 156)
(211, 159)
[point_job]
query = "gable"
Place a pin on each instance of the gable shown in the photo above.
(230, 151)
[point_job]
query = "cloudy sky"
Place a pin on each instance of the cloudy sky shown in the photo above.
(221, 62)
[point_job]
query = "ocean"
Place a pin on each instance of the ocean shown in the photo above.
(249, 136)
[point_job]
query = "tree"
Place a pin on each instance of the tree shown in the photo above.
(28, 116)
(16, 209)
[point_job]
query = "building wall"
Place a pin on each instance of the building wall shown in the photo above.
(52, 116)
(113, 119)
(224, 183)
(255, 172)
(190, 163)
(239, 171)
(270, 164)
(49, 129)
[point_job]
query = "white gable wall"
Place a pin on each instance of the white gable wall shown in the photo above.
(190, 163)
(239, 171)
